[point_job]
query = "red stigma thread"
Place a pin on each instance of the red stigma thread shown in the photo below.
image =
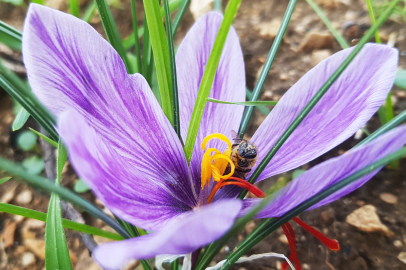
(290, 235)
(236, 182)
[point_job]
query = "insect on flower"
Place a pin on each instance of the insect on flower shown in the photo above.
(120, 142)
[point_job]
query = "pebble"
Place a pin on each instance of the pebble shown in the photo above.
(401, 94)
(360, 203)
(305, 266)
(316, 41)
(34, 224)
(24, 197)
(397, 243)
(388, 198)
(8, 196)
(366, 219)
(283, 76)
(249, 227)
(269, 29)
(8, 233)
(27, 259)
(318, 56)
(200, 7)
(284, 239)
(402, 257)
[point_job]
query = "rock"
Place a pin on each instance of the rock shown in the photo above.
(268, 30)
(401, 94)
(24, 197)
(283, 239)
(305, 266)
(8, 196)
(397, 243)
(402, 257)
(200, 7)
(86, 262)
(388, 198)
(316, 41)
(366, 219)
(34, 224)
(27, 259)
(394, 100)
(283, 76)
(250, 226)
(318, 56)
(36, 246)
(8, 233)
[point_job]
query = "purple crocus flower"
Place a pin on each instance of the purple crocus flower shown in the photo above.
(123, 146)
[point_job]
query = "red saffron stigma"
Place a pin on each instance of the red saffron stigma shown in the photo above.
(236, 182)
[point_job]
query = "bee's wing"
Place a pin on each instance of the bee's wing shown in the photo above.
(236, 139)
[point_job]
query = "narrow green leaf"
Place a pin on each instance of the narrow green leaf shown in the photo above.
(44, 137)
(5, 179)
(175, 99)
(41, 2)
(208, 76)
(268, 226)
(262, 109)
(74, 8)
(16, 81)
(161, 55)
(14, 2)
(20, 119)
(147, 59)
(400, 79)
(318, 96)
(56, 249)
(26, 140)
(135, 37)
(372, 16)
(10, 36)
(89, 12)
(267, 66)
(32, 105)
(80, 186)
(61, 160)
(179, 16)
(246, 103)
(340, 39)
(68, 224)
(111, 30)
(67, 195)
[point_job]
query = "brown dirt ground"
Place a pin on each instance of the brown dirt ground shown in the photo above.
(359, 250)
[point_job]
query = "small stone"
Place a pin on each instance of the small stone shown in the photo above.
(283, 76)
(318, 56)
(325, 231)
(316, 41)
(24, 197)
(18, 219)
(366, 219)
(200, 7)
(397, 243)
(269, 29)
(8, 196)
(250, 226)
(360, 203)
(401, 94)
(305, 266)
(394, 100)
(267, 96)
(388, 198)
(8, 233)
(36, 246)
(27, 259)
(242, 268)
(34, 224)
(402, 257)
(284, 239)
(278, 265)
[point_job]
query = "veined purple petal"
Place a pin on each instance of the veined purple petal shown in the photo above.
(229, 84)
(332, 171)
(180, 236)
(118, 138)
(346, 107)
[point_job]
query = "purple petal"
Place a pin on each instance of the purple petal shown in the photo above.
(120, 141)
(181, 236)
(332, 171)
(146, 183)
(347, 106)
(229, 84)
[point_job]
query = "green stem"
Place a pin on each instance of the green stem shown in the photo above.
(306, 110)
(267, 66)
(208, 76)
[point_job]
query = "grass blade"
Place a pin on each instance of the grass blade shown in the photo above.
(179, 16)
(340, 39)
(89, 13)
(53, 143)
(41, 2)
(175, 99)
(10, 36)
(267, 66)
(208, 76)
(262, 109)
(33, 107)
(68, 224)
(270, 225)
(161, 55)
(111, 29)
(67, 195)
(20, 119)
(246, 103)
(74, 8)
(56, 249)
(147, 61)
(135, 29)
(318, 96)
(3, 180)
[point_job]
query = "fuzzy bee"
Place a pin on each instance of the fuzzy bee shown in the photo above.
(244, 156)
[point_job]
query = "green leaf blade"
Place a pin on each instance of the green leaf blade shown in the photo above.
(246, 103)
(20, 119)
(10, 36)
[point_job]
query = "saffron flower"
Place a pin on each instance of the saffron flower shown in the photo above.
(123, 146)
